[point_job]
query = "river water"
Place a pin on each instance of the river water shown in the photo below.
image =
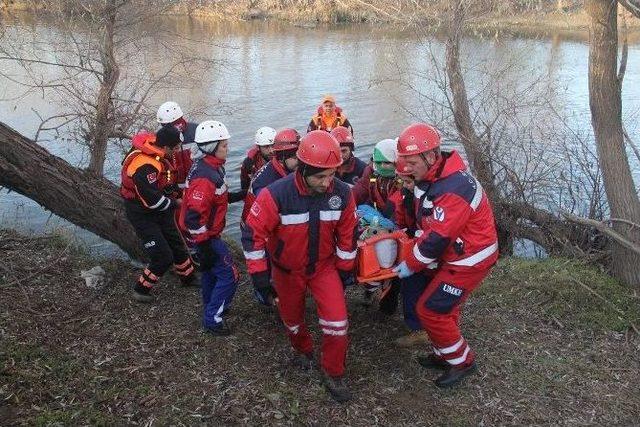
(275, 74)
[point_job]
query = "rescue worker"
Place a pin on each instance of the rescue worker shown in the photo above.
(170, 114)
(376, 188)
(329, 116)
(257, 156)
(413, 286)
(457, 229)
(147, 186)
(306, 222)
(352, 167)
(283, 163)
(379, 179)
(203, 215)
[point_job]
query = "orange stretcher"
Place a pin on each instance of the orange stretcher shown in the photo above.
(368, 264)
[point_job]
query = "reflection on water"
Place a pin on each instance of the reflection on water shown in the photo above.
(275, 74)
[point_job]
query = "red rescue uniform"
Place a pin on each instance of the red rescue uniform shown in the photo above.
(250, 166)
(456, 229)
(308, 239)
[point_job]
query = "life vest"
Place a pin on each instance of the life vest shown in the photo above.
(144, 152)
(321, 123)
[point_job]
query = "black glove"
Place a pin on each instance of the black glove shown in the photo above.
(347, 278)
(206, 256)
(264, 292)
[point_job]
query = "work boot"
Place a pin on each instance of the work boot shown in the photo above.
(413, 338)
(142, 293)
(454, 375)
(303, 361)
(221, 330)
(431, 361)
(336, 388)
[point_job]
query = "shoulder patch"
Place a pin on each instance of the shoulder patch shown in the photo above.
(438, 214)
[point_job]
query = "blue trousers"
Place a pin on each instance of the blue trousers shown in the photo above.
(219, 285)
(411, 288)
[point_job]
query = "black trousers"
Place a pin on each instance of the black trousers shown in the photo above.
(159, 235)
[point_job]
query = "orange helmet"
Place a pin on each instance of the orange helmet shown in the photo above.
(319, 149)
(418, 138)
(286, 139)
(402, 169)
(343, 136)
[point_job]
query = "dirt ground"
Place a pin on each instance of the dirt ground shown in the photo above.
(557, 344)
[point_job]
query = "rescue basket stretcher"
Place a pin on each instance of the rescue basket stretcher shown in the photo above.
(378, 255)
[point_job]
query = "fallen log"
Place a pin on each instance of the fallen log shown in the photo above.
(90, 202)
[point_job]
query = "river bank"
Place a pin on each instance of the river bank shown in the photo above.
(429, 15)
(555, 341)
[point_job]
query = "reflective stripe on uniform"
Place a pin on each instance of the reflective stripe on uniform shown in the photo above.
(160, 201)
(452, 348)
(459, 360)
(291, 219)
(477, 198)
(345, 255)
(254, 255)
(330, 215)
(423, 259)
(334, 332)
(334, 323)
(477, 257)
(200, 230)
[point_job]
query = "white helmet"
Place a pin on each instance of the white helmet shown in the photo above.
(265, 136)
(211, 131)
(386, 151)
(169, 112)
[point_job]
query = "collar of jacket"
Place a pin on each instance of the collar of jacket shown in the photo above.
(279, 167)
(212, 160)
(448, 164)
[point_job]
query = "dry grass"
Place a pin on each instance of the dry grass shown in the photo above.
(549, 353)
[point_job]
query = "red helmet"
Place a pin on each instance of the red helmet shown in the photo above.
(319, 149)
(418, 138)
(343, 136)
(286, 139)
(402, 169)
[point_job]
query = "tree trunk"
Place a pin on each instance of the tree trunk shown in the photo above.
(473, 145)
(606, 118)
(104, 122)
(76, 195)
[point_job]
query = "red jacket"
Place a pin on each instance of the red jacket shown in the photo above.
(182, 164)
(270, 173)
(376, 191)
(250, 166)
(204, 205)
(300, 232)
(455, 217)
